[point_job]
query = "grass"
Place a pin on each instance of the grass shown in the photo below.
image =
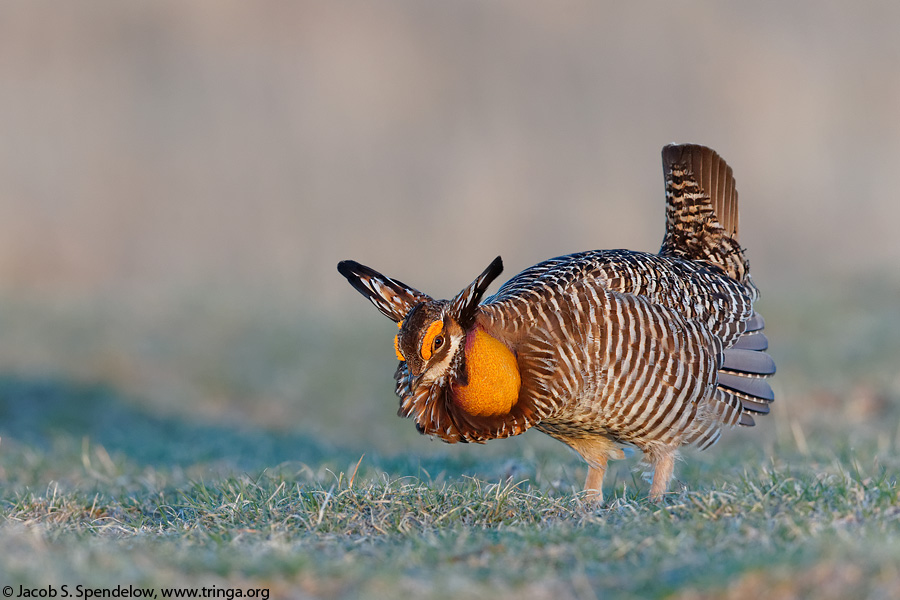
(379, 535)
(161, 456)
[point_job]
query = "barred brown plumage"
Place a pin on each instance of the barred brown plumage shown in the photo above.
(601, 350)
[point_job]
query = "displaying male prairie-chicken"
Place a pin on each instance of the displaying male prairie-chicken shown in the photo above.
(602, 349)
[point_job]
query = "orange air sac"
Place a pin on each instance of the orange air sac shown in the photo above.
(493, 374)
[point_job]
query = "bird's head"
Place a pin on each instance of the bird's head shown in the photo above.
(448, 364)
(432, 333)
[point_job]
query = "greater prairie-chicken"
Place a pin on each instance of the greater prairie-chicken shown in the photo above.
(602, 349)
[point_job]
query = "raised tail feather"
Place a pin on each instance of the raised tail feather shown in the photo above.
(702, 209)
(702, 224)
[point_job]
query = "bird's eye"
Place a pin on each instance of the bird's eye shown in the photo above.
(430, 341)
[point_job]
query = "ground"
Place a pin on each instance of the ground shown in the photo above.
(226, 448)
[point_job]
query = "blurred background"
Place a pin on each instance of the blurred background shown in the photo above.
(179, 179)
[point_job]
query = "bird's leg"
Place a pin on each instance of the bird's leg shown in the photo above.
(593, 485)
(662, 473)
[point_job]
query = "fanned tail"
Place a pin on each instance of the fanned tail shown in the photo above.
(702, 209)
(702, 224)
